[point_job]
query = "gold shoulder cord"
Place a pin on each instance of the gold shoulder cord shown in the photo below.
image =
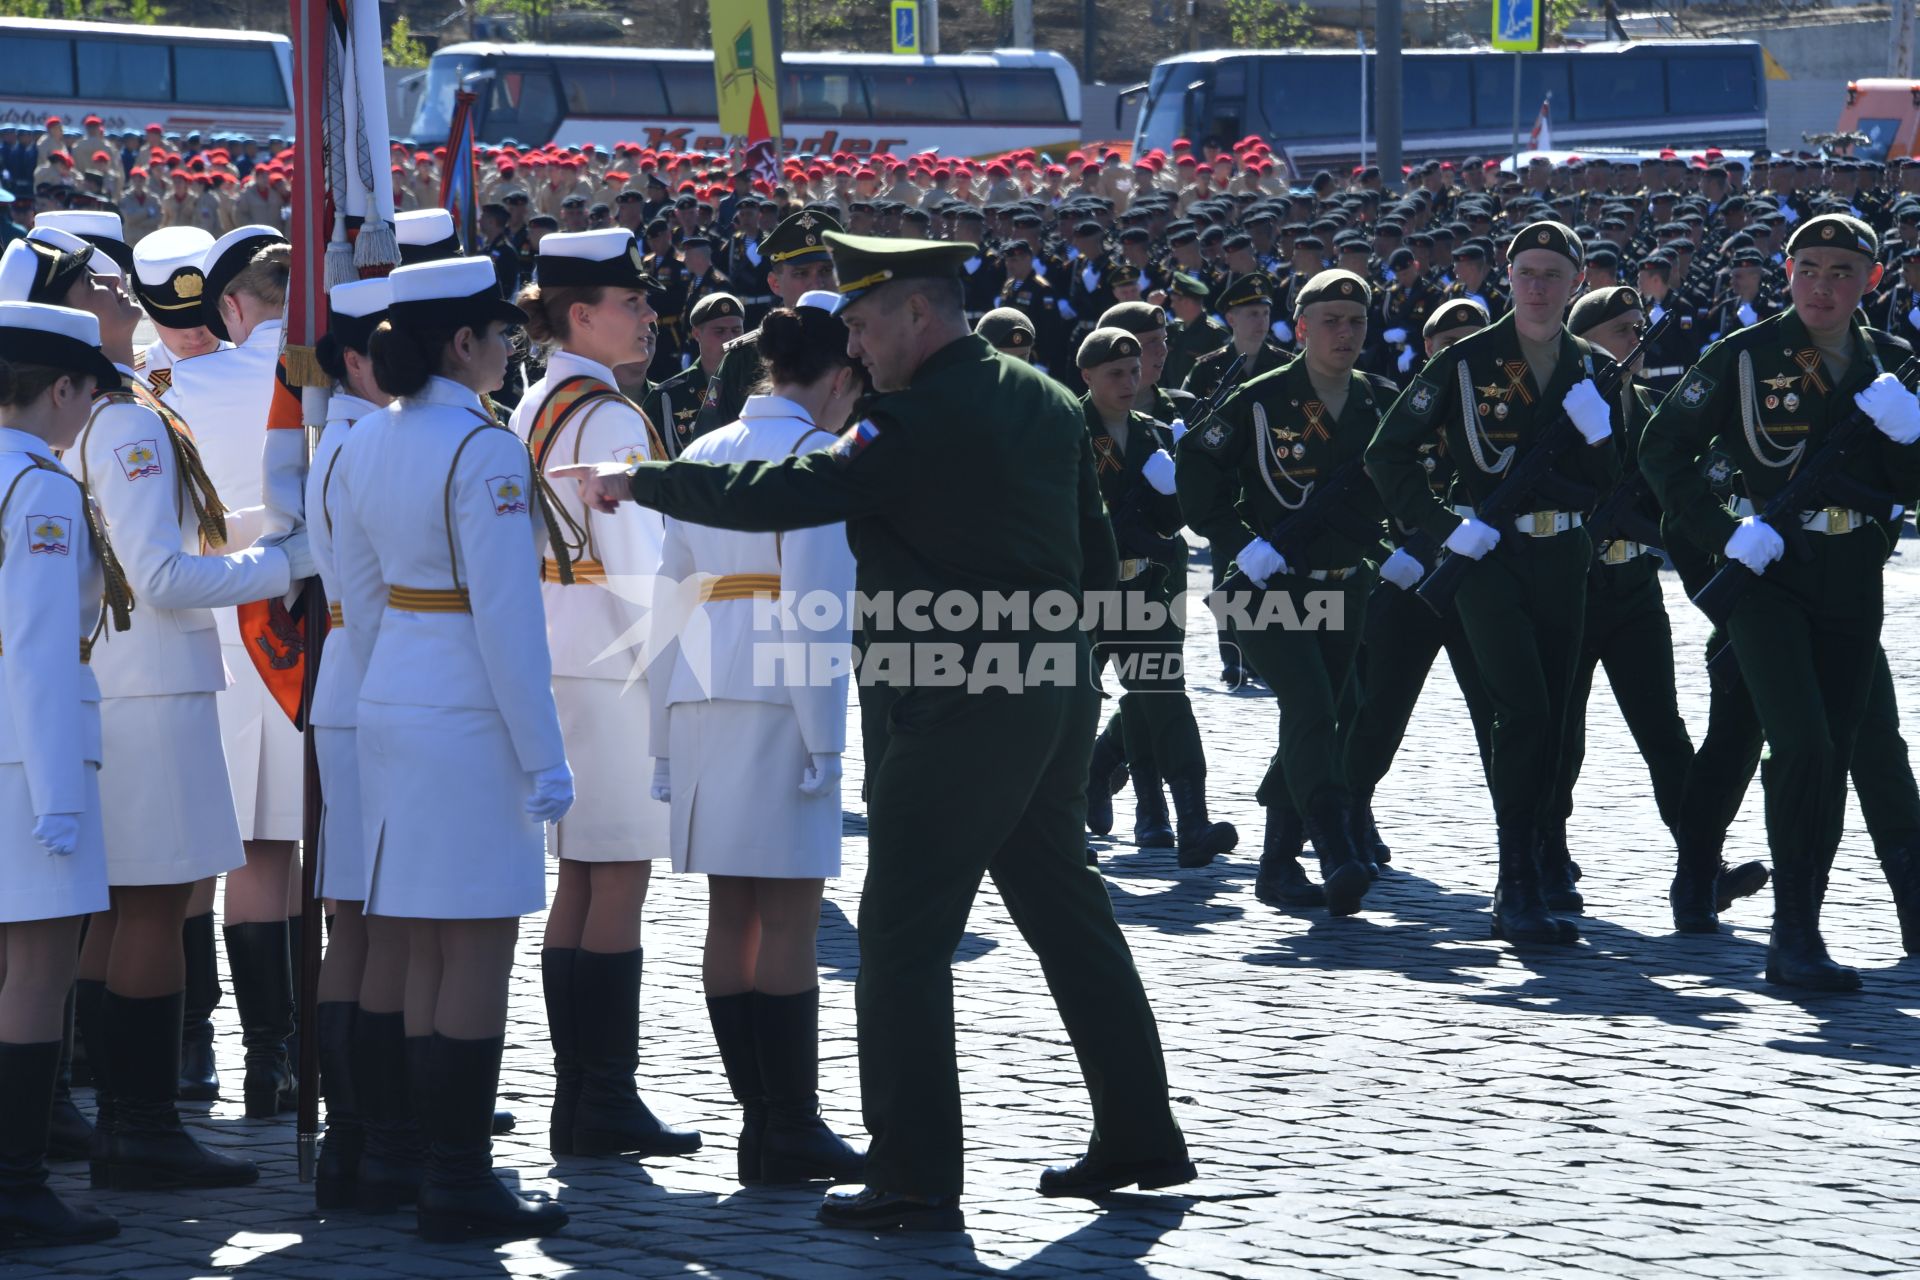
(208, 510)
(551, 514)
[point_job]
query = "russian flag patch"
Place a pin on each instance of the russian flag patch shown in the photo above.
(855, 439)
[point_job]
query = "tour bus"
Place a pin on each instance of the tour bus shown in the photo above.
(1886, 112)
(186, 81)
(969, 104)
(1645, 94)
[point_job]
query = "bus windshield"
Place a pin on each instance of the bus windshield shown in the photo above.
(1166, 111)
(434, 116)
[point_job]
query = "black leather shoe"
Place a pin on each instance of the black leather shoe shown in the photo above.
(1796, 953)
(1282, 881)
(1201, 839)
(1742, 881)
(1085, 1177)
(1343, 871)
(1152, 825)
(503, 1121)
(871, 1209)
(1558, 874)
(1109, 761)
(1520, 912)
(1233, 675)
(1691, 897)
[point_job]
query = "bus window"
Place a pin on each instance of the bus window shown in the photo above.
(918, 93)
(36, 67)
(1312, 97)
(1713, 84)
(821, 93)
(523, 104)
(113, 69)
(630, 89)
(690, 91)
(1624, 88)
(1437, 93)
(1018, 94)
(1540, 74)
(1164, 115)
(229, 76)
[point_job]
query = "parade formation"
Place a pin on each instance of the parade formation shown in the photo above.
(581, 481)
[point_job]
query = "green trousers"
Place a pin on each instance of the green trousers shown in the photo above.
(1523, 608)
(1401, 640)
(1156, 717)
(1310, 672)
(991, 784)
(1627, 632)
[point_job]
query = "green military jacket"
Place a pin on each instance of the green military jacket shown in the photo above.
(1169, 406)
(727, 391)
(1140, 513)
(1478, 397)
(674, 406)
(1207, 372)
(1793, 402)
(1186, 343)
(1261, 455)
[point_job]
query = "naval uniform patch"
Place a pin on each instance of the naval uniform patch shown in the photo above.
(52, 535)
(509, 494)
(1421, 397)
(1693, 392)
(855, 439)
(628, 455)
(139, 459)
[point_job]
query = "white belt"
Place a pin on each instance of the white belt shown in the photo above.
(1538, 524)
(1825, 520)
(1620, 552)
(1131, 569)
(1329, 575)
(1664, 371)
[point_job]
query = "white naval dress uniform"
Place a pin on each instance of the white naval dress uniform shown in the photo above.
(738, 742)
(224, 396)
(156, 360)
(456, 708)
(51, 583)
(336, 690)
(170, 808)
(597, 633)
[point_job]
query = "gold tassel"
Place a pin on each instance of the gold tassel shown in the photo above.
(207, 507)
(303, 367)
(565, 549)
(119, 592)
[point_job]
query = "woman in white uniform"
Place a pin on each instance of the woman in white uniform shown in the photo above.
(168, 815)
(224, 397)
(53, 858)
(588, 304)
(731, 728)
(461, 757)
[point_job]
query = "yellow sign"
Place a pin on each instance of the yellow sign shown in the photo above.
(906, 26)
(744, 73)
(1519, 26)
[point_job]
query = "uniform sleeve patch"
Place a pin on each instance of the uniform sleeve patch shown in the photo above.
(855, 439)
(50, 535)
(628, 455)
(509, 494)
(1694, 391)
(139, 459)
(1216, 435)
(1422, 396)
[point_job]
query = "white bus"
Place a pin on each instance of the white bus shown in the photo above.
(186, 81)
(969, 104)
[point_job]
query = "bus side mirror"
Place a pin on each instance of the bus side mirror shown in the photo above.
(1120, 103)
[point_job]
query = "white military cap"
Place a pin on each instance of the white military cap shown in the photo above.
(167, 275)
(609, 258)
(425, 235)
(59, 337)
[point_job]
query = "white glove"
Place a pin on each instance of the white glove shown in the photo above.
(1892, 408)
(1179, 425)
(1747, 314)
(1090, 278)
(1066, 310)
(299, 554)
(1158, 470)
(1480, 298)
(1755, 544)
(1913, 317)
(753, 253)
(552, 794)
(1398, 337)
(1788, 212)
(972, 264)
(1655, 312)
(1588, 409)
(1472, 538)
(1404, 361)
(1282, 331)
(1402, 569)
(822, 773)
(58, 833)
(661, 788)
(1259, 561)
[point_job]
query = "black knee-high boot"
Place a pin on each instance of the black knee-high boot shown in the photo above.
(146, 1148)
(394, 1148)
(611, 1119)
(199, 1081)
(338, 1172)
(296, 933)
(258, 959)
(69, 1135)
(556, 982)
(462, 1198)
(798, 1145)
(732, 1018)
(90, 1029)
(30, 1213)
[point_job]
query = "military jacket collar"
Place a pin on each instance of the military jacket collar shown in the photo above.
(447, 392)
(564, 364)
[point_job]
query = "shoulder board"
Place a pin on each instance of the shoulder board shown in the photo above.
(1385, 386)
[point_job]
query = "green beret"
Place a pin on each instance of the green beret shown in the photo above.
(1460, 313)
(1333, 285)
(715, 306)
(798, 238)
(1007, 328)
(1556, 237)
(1598, 306)
(1134, 317)
(1190, 286)
(1251, 289)
(864, 263)
(1104, 345)
(1834, 231)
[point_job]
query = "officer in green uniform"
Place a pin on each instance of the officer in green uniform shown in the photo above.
(1273, 441)
(796, 252)
(1009, 332)
(1490, 396)
(1143, 643)
(1402, 638)
(674, 406)
(963, 780)
(1626, 628)
(1193, 333)
(1805, 635)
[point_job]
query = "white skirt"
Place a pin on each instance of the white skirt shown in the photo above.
(737, 808)
(343, 862)
(614, 816)
(265, 757)
(41, 885)
(441, 795)
(167, 806)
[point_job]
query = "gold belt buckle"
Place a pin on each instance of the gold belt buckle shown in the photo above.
(1543, 524)
(1839, 520)
(1616, 552)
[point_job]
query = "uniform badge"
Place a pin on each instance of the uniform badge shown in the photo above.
(1791, 400)
(51, 535)
(509, 495)
(855, 439)
(1299, 450)
(1429, 462)
(1720, 474)
(1214, 436)
(1779, 382)
(1501, 410)
(1686, 320)
(1773, 402)
(1485, 408)
(1694, 391)
(1422, 397)
(628, 455)
(139, 459)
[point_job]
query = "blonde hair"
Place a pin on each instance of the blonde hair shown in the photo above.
(265, 276)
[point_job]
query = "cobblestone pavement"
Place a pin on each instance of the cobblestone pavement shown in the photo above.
(1392, 1094)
